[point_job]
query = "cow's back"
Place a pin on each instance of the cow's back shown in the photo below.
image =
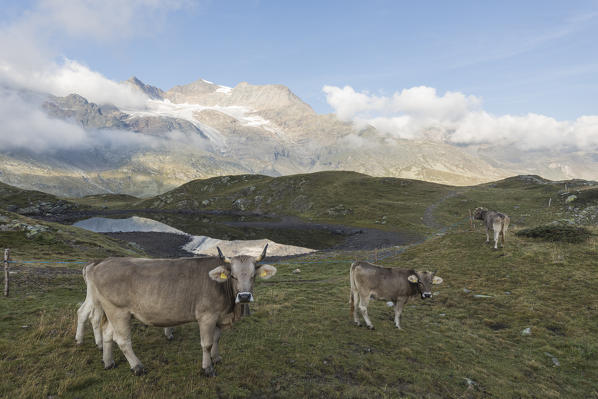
(160, 291)
(383, 282)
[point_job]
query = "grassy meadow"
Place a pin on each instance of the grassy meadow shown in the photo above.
(469, 341)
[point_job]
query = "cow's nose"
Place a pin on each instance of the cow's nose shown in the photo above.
(244, 297)
(427, 295)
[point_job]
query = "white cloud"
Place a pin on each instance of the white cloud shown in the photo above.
(30, 60)
(420, 113)
(26, 127)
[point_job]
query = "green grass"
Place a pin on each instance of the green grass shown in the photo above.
(300, 341)
(106, 201)
(58, 242)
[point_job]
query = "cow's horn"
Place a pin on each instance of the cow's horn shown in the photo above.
(263, 255)
(222, 257)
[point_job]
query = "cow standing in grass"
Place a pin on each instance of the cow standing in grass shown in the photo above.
(169, 292)
(369, 281)
(498, 222)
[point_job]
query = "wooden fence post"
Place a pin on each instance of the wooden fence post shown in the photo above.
(6, 260)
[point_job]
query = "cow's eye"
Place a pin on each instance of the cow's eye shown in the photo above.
(233, 277)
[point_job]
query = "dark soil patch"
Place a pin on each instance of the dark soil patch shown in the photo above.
(355, 238)
(555, 232)
(497, 326)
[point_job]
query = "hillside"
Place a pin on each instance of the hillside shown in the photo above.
(300, 341)
(32, 239)
(32, 202)
(359, 200)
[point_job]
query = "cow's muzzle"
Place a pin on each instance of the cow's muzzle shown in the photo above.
(244, 297)
(426, 295)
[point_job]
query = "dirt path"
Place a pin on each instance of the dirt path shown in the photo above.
(429, 219)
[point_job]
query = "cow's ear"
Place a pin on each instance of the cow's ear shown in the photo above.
(219, 274)
(437, 280)
(413, 278)
(266, 271)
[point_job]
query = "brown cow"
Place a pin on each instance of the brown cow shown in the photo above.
(169, 292)
(499, 222)
(369, 281)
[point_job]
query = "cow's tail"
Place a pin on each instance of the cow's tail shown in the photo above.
(352, 298)
(86, 269)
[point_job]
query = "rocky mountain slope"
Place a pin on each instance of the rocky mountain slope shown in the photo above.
(203, 129)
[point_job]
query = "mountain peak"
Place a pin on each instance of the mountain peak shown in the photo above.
(150, 91)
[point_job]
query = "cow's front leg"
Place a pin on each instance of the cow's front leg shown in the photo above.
(168, 333)
(214, 353)
(399, 305)
(363, 308)
(207, 327)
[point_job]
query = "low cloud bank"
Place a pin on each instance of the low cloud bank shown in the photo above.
(456, 118)
(25, 126)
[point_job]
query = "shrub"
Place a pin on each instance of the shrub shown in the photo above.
(557, 232)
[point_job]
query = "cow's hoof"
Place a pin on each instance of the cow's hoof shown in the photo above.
(100, 347)
(371, 328)
(217, 359)
(109, 366)
(78, 343)
(358, 324)
(209, 372)
(170, 337)
(139, 370)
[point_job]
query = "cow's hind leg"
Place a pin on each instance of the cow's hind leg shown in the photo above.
(82, 315)
(207, 329)
(168, 333)
(364, 301)
(96, 318)
(355, 305)
(487, 234)
(497, 228)
(107, 335)
(399, 305)
(215, 353)
(121, 323)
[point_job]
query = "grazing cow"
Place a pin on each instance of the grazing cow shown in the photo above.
(499, 222)
(169, 292)
(88, 311)
(369, 281)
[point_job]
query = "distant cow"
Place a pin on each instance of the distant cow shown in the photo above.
(499, 222)
(169, 292)
(88, 311)
(369, 281)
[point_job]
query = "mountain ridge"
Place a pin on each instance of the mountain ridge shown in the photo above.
(202, 129)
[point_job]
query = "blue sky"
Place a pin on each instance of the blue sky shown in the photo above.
(517, 57)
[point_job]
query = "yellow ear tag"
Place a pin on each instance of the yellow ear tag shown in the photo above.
(263, 274)
(223, 276)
